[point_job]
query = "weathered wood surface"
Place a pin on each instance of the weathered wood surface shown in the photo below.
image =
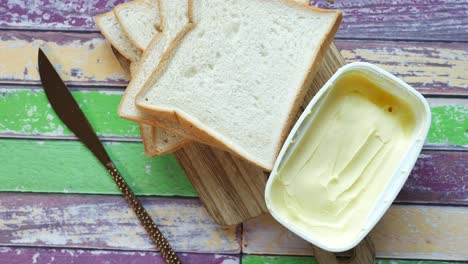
(255, 259)
(106, 222)
(437, 178)
(26, 113)
(61, 256)
(405, 231)
(402, 19)
(430, 67)
(68, 167)
(442, 20)
(53, 15)
(89, 58)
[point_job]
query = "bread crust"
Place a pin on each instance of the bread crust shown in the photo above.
(110, 38)
(150, 144)
(143, 3)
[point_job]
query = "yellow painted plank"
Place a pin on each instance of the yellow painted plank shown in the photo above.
(415, 232)
(429, 67)
(81, 58)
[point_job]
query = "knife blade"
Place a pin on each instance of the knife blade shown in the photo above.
(70, 113)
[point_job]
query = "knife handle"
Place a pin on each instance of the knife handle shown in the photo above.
(155, 235)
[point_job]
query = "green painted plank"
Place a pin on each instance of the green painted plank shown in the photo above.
(449, 125)
(68, 167)
(252, 259)
(25, 112)
(28, 112)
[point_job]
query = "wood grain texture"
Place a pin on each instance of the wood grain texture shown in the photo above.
(406, 231)
(53, 15)
(69, 167)
(431, 68)
(60, 256)
(106, 222)
(89, 58)
(443, 20)
(230, 188)
(254, 259)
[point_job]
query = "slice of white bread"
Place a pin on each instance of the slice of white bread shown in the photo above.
(110, 28)
(239, 76)
(140, 21)
(158, 141)
(165, 141)
(174, 16)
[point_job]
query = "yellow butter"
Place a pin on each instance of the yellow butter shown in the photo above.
(331, 182)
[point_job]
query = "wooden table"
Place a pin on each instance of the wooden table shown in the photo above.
(57, 205)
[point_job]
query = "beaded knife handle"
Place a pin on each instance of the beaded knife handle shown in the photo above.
(70, 113)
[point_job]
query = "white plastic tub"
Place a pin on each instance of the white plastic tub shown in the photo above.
(279, 201)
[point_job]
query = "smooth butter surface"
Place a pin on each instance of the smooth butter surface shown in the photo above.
(331, 182)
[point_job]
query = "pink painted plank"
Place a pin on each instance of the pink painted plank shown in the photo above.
(60, 256)
(431, 68)
(439, 177)
(402, 19)
(106, 222)
(375, 19)
(53, 15)
(405, 231)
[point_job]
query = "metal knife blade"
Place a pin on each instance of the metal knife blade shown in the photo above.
(67, 109)
(70, 113)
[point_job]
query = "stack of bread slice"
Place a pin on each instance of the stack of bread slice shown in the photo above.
(227, 73)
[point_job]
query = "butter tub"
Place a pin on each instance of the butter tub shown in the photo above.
(347, 157)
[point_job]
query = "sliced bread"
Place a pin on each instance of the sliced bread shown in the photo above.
(238, 77)
(165, 141)
(174, 15)
(139, 19)
(110, 28)
(158, 141)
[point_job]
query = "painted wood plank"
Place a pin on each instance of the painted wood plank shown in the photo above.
(80, 58)
(255, 259)
(449, 122)
(68, 167)
(402, 19)
(438, 177)
(28, 112)
(432, 68)
(440, 68)
(59, 256)
(106, 222)
(53, 15)
(405, 231)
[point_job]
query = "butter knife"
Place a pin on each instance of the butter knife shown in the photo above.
(70, 113)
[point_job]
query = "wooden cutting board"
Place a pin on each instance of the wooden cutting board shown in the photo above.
(230, 188)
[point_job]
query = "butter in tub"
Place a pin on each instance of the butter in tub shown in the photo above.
(347, 157)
